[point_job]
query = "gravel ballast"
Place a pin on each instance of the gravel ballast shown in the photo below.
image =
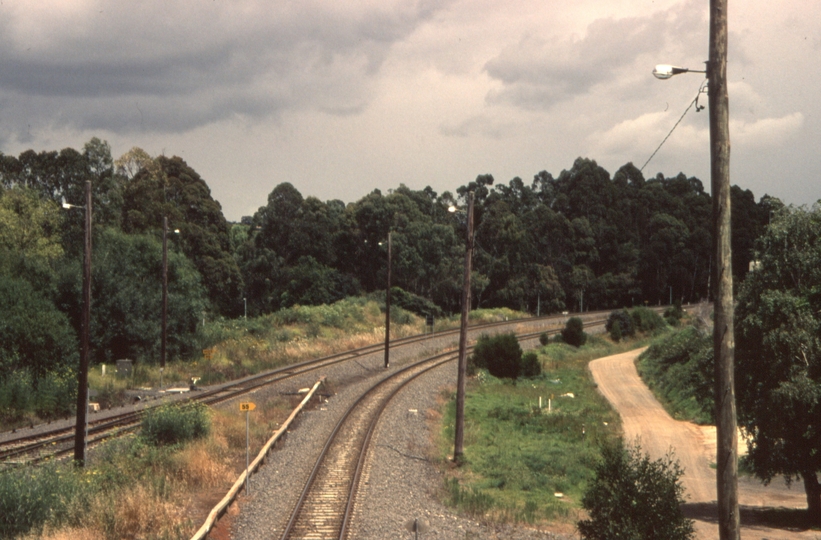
(400, 482)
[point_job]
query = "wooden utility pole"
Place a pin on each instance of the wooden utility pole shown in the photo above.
(458, 449)
(723, 331)
(164, 317)
(82, 375)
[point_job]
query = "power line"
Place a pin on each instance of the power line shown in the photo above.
(698, 108)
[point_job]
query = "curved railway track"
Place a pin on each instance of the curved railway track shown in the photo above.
(324, 508)
(59, 442)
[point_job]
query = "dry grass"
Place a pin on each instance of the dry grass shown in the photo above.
(166, 493)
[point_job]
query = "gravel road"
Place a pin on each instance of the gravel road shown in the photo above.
(644, 417)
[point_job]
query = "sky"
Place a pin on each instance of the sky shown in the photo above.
(341, 98)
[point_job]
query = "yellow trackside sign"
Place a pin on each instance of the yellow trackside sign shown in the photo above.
(244, 407)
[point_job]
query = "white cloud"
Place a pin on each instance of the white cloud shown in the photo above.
(769, 133)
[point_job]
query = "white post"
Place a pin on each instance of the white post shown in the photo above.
(247, 444)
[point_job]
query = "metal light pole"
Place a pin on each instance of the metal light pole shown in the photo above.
(458, 449)
(388, 308)
(721, 274)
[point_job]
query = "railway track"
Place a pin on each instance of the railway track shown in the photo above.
(58, 443)
(324, 508)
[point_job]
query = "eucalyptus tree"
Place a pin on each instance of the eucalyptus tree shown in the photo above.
(778, 358)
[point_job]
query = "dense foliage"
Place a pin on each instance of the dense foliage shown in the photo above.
(501, 355)
(619, 325)
(680, 369)
(635, 498)
(778, 336)
(175, 424)
(573, 332)
(579, 241)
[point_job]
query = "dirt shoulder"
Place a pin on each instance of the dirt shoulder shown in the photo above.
(766, 511)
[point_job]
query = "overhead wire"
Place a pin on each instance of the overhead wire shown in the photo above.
(701, 89)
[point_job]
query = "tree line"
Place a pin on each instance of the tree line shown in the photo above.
(578, 241)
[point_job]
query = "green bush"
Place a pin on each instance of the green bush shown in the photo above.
(673, 315)
(635, 498)
(414, 303)
(646, 320)
(680, 369)
(573, 332)
(615, 331)
(174, 424)
(544, 339)
(500, 354)
(625, 323)
(55, 394)
(530, 365)
(31, 496)
(15, 395)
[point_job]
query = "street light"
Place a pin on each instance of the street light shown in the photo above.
(723, 330)
(665, 71)
(164, 339)
(388, 308)
(458, 447)
(82, 375)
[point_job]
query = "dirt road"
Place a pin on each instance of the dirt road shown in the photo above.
(769, 512)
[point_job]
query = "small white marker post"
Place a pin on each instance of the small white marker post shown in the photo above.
(247, 407)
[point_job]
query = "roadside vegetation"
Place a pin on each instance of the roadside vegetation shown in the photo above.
(237, 348)
(166, 479)
(527, 461)
(635, 497)
(555, 244)
(159, 484)
(679, 371)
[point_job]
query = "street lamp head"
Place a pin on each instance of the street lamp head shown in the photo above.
(452, 209)
(665, 71)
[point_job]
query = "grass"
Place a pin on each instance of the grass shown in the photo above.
(678, 369)
(133, 489)
(242, 348)
(523, 463)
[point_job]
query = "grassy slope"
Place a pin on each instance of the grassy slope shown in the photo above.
(166, 492)
(519, 456)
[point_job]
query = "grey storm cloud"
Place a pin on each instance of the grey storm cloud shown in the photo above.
(540, 72)
(167, 70)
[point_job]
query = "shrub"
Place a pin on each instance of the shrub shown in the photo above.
(29, 497)
(673, 315)
(615, 331)
(501, 355)
(573, 332)
(530, 365)
(646, 320)
(414, 303)
(174, 424)
(625, 323)
(15, 395)
(544, 339)
(634, 497)
(56, 394)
